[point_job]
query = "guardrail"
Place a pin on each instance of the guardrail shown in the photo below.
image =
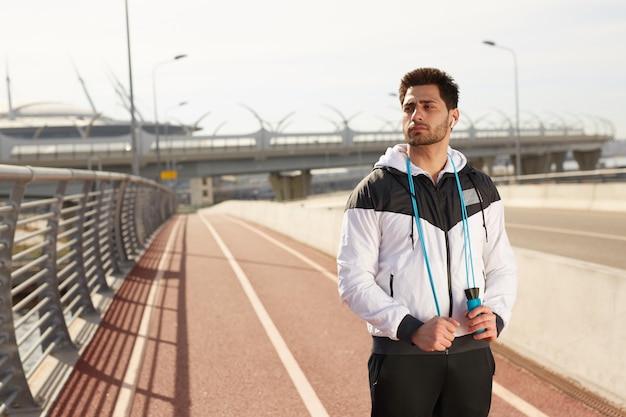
(576, 177)
(63, 234)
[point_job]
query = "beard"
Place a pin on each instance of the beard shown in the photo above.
(426, 137)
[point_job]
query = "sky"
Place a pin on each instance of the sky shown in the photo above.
(305, 66)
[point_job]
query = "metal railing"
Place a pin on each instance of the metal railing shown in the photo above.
(63, 234)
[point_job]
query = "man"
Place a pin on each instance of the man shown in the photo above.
(421, 230)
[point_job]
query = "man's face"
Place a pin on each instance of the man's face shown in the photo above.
(425, 118)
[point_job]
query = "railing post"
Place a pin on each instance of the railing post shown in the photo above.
(78, 250)
(60, 336)
(106, 227)
(90, 231)
(139, 215)
(14, 390)
(118, 227)
(129, 220)
(147, 205)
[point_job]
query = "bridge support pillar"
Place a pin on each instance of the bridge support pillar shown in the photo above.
(291, 186)
(587, 160)
(201, 191)
(535, 164)
(484, 163)
(558, 158)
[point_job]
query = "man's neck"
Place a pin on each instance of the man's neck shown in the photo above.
(431, 158)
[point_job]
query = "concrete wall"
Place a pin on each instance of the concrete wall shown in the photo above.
(569, 317)
(569, 314)
(595, 197)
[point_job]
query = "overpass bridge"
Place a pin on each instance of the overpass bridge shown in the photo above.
(290, 157)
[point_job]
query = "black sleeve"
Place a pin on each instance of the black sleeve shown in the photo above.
(499, 324)
(407, 328)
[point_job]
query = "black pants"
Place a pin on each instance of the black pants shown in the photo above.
(439, 385)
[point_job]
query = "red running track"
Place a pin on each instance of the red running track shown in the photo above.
(241, 321)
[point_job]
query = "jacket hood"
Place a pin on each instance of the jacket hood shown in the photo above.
(396, 158)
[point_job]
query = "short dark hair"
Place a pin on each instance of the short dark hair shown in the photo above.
(448, 88)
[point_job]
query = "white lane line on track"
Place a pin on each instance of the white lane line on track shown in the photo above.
(302, 384)
(313, 264)
(566, 231)
(124, 401)
(516, 401)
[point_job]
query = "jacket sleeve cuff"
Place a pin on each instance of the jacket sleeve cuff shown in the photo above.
(499, 324)
(407, 328)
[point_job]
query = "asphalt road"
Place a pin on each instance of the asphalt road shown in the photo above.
(598, 237)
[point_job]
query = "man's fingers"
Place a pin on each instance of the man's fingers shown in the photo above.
(479, 310)
(450, 324)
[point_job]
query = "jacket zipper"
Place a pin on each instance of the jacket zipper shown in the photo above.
(449, 271)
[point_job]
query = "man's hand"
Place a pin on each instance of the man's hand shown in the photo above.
(482, 317)
(436, 334)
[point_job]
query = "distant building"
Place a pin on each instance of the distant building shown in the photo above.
(58, 120)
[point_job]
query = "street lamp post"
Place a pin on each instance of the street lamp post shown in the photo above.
(518, 156)
(156, 113)
(133, 122)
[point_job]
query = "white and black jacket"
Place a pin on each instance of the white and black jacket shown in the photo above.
(381, 267)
